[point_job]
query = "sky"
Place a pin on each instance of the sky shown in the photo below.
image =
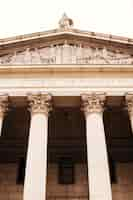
(104, 16)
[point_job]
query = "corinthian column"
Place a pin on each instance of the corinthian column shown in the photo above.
(129, 102)
(36, 166)
(3, 109)
(98, 170)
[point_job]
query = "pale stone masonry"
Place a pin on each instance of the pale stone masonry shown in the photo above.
(64, 69)
(98, 170)
(36, 167)
(10, 191)
(129, 101)
(3, 108)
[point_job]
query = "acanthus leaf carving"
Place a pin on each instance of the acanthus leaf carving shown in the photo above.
(39, 103)
(129, 104)
(3, 104)
(92, 103)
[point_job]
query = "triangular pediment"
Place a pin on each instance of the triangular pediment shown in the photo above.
(66, 45)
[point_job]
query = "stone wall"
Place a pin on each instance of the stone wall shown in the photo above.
(123, 190)
(8, 188)
(79, 189)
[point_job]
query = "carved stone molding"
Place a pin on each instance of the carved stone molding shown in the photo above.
(40, 103)
(66, 54)
(3, 104)
(129, 103)
(92, 103)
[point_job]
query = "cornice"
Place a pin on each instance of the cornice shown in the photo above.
(75, 32)
(56, 35)
(59, 36)
(65, 68)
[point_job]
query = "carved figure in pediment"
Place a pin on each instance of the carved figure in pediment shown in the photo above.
(66, 54)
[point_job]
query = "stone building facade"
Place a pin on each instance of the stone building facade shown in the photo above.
(66, 115)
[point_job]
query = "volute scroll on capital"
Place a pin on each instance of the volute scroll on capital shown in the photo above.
(40, 103)
(92, 103)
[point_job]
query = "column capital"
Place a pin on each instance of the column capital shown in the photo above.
(129, 103)
(92, 103)
(3, 104)
(40, 103)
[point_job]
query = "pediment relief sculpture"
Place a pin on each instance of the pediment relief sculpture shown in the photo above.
(66, 45)
(66, 54)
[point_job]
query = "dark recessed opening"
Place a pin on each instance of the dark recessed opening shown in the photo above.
(112, 170)
(21, 171)
(66, 171)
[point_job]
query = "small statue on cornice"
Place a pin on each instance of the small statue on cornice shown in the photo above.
(65, 22)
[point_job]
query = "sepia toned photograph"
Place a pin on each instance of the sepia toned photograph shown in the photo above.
(66, 100)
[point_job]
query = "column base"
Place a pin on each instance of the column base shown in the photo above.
(100, 197)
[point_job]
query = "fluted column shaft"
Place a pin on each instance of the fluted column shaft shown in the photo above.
(98, 170)
(36, 166)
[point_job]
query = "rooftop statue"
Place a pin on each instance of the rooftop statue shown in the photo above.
(65, 22)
